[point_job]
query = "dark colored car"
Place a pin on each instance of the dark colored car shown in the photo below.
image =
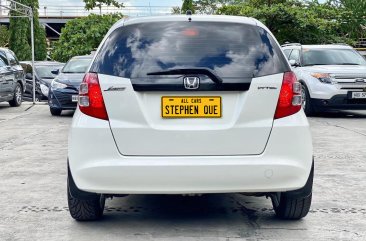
(64, 91)
(43, 76)
(12, 84)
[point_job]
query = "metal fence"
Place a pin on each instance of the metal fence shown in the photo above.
(79, 11)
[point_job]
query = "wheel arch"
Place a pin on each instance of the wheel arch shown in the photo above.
(21, 85)
(74, 190)
(304, 82)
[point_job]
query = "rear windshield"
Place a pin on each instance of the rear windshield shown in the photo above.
(231, 50)
(332, 57)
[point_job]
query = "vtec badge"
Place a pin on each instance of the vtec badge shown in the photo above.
(191, 82)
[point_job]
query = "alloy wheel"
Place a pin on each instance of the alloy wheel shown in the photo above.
(18, 94)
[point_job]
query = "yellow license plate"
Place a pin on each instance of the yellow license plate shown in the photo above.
(191, 106)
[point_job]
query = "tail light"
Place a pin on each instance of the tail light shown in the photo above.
(91, 100)
(289, 101)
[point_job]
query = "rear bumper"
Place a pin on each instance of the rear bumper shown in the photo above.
(339, 102)
(97, 166)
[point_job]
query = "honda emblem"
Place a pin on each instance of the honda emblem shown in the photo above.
(191, 83)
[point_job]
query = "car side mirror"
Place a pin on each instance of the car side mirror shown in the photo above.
(55, 71)
(294, 63)
(28, 76)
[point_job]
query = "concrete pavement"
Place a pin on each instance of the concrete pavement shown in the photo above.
(33, 152)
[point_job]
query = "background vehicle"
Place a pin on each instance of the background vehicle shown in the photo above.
(189, 104)
(63, 94)
(12, 84)
(333, 76)
(43, 77)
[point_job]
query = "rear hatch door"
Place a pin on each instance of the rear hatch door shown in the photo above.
(148, 72)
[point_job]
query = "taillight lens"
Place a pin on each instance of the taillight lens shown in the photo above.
(289, 101)
(91, 100)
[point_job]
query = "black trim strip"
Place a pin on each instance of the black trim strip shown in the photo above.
(180, 87)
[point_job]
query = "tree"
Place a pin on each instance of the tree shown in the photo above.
(90, 4)
(176, 10)
(204, 6)
(40, 45)
(297, 21)
(211, 6)
(18, 39)
(187, 5)
(20, 34)
(83, 35)
(354, 23)
(259, 3)
(4, 36)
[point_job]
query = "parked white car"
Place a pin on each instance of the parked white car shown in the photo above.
(189, 105)
(333, 76)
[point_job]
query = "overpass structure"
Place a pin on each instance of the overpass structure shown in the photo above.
(55, 17)
(53, 25)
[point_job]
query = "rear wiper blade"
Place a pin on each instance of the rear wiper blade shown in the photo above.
(347, 64)
(313, 64)
(206, 71)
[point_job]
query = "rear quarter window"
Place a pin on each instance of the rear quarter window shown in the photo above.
(234, 51)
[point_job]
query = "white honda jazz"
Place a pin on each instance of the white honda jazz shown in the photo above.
(189, 104)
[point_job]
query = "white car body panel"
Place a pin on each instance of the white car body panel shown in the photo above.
(138, 129)
(318, 90)
(97, 166)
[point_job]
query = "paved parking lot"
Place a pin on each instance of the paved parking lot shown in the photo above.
(33, 152)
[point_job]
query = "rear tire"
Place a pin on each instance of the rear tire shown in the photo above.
(307, 104)
(55, 112)
(295, 204)
(88, 208)
(17, 97)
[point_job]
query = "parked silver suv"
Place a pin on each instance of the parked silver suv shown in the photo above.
(333, 76)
